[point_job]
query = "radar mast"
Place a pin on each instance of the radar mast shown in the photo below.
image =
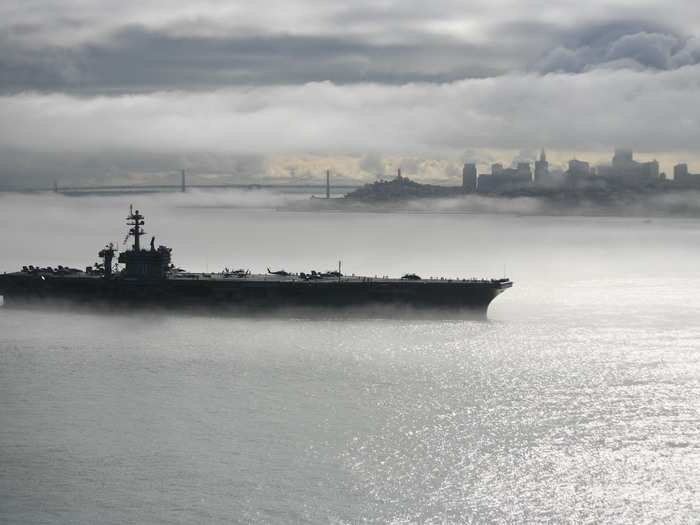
(134, 221)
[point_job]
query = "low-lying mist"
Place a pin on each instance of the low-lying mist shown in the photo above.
(259, 229)
(671, 204)
(604, 262)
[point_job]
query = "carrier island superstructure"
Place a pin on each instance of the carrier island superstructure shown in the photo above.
(146, 277)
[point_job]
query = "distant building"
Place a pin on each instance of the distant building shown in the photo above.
(505, 179)
(487, 184)
(579, 168)
(542, 177)
(469, 178)
(631, 171)
(524, 170)
(682, 178)
(622, 158)
(649, 169)
(680, 172)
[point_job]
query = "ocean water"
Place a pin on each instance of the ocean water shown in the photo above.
(577, 401)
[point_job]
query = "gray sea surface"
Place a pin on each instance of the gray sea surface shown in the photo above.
(578, 401)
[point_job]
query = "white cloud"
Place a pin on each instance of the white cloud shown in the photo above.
(648, 111)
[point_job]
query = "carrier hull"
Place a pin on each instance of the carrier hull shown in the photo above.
(253, 293)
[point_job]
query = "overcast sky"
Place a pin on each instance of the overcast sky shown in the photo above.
(87, 87)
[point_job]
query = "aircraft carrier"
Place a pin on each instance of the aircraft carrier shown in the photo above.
(145, 277)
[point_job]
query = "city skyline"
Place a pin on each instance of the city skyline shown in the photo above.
(348, 169)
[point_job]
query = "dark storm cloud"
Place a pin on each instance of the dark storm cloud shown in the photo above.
(138, 59)
(85, 51)
(633, 44)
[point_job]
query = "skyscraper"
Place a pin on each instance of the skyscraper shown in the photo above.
(523, 172)
(633, 172)
(680, 172)
(623, 158)
(469, 177)
(579, 168)
(542, 169)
